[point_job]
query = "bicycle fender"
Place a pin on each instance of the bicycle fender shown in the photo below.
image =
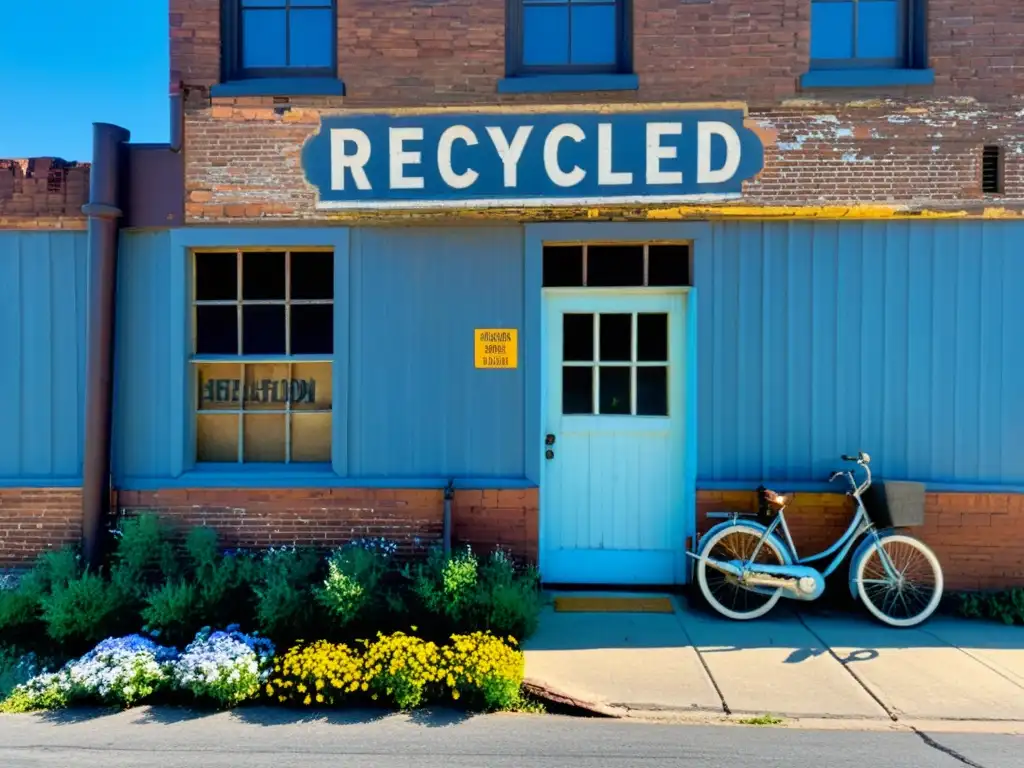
(753, 525)
(860, 551)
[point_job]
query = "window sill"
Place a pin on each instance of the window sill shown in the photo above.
(866, 78)
(231, 475)
(281, 86)
(566, 83)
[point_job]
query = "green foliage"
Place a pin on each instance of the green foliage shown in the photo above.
(82, 611)
(144, 556)
(447, 586)
(284, 602)
(15, 668)
(1006, 606)
(353, 586)
(21, 619)
(172, 609)
(507, 601)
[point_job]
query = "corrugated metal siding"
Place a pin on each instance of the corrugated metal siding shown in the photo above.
(146, 368)
(43, 310)
(902, 339)
(418, 407)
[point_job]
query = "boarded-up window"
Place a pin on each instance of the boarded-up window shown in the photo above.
(264, 345)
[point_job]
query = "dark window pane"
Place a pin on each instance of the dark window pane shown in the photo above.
(616, 337)
(614, 395)
(313, 329)
(216, 276)
(831, 30)
(652, 391)
(593, 34)
(263, 330)
(217, 330)
(312, 275)
(545, 35)
(577, 337)
(577, 390)
(263, 38)
(563, 266)
(878, 30)
(263, 276)
(311, 38)
(668, 265)
(652, 337)
(615, 265)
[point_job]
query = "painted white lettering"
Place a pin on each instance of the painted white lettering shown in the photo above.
(444, 156)
(356, 162)
(510, 152)
(605, 174)
(705, 173)
(656, 153)
(551, 166)
(401, 157)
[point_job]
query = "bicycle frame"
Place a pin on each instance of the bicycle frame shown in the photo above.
(860, 525)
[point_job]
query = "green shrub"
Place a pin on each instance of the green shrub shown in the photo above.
(353, 588)
(171, 610)
(15, 669)
(143, 557)
(21, 619)
(507, 601)
(447, 586)
(1006, 606)
(284, 601)
(83, 611)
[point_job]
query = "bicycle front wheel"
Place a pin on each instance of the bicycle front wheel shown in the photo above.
(907, 592)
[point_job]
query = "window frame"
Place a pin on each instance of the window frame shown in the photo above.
(232, 46)
(514, 29)
(195, 359)
(912, 41)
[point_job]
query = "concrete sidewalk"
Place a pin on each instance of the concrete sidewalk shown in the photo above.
(818, 666)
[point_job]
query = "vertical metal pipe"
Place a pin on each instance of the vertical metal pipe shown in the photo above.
(446, 526)
(104, 213)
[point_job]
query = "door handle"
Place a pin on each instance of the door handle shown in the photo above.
(549, 440)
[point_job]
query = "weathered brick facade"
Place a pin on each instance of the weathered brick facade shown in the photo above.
(915, 148)
(43, 193)
(331, 517)
(36, 519)
(976, 536)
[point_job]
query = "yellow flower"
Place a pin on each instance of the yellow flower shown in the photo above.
(301, 688)
(320, 698)
(306, 701)
(455, 695)
(364, 687)
(270, 690)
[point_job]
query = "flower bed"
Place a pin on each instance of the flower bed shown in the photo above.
(228, 668)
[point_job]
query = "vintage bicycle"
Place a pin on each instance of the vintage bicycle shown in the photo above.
(744, 568)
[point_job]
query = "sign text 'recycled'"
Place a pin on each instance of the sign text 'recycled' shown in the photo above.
(502, 158)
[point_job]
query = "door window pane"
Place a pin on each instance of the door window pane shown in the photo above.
(668, 265)
(616, 338)
(219, 386)
(267, 386)
(614, 394)
(652, 391)
(563, 266)
(577, 389)
(652, 337)
(615, 266)
(311, 387)
(578, 337)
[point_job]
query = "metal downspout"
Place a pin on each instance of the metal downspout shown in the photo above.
(104, 213)
(446, 523)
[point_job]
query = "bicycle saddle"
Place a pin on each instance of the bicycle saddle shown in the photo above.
(776, 500)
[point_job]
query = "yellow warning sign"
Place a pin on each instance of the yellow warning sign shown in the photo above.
(496, 347)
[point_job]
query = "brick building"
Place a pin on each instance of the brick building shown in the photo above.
(737, 239)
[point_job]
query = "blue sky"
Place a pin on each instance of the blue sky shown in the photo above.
(65, 64)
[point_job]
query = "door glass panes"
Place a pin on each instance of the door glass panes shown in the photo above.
(628, 372)
(615, 266)
(624, 265)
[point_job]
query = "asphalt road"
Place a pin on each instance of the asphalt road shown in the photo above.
(269, 738)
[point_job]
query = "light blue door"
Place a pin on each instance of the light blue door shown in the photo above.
(612, 492)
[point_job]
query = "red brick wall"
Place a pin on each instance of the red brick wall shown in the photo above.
(407, 52)
(333, 516)
(36, 519)
(43, 193)
(978, 537)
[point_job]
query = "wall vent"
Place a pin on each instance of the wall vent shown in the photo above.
(992, 170)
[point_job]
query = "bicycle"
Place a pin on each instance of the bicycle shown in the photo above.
(761, 568)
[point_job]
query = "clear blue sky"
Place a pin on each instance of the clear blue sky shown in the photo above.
(65, 64)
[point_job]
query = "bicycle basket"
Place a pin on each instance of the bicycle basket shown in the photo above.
(895, 504)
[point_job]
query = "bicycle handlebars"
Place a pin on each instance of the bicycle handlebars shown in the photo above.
(863, 460)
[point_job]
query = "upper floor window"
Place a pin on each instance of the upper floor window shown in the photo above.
(569, 36)
(866, 34)
(279, 38)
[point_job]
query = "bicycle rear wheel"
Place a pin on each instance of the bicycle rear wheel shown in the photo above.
(908, 596)
(723, 592)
